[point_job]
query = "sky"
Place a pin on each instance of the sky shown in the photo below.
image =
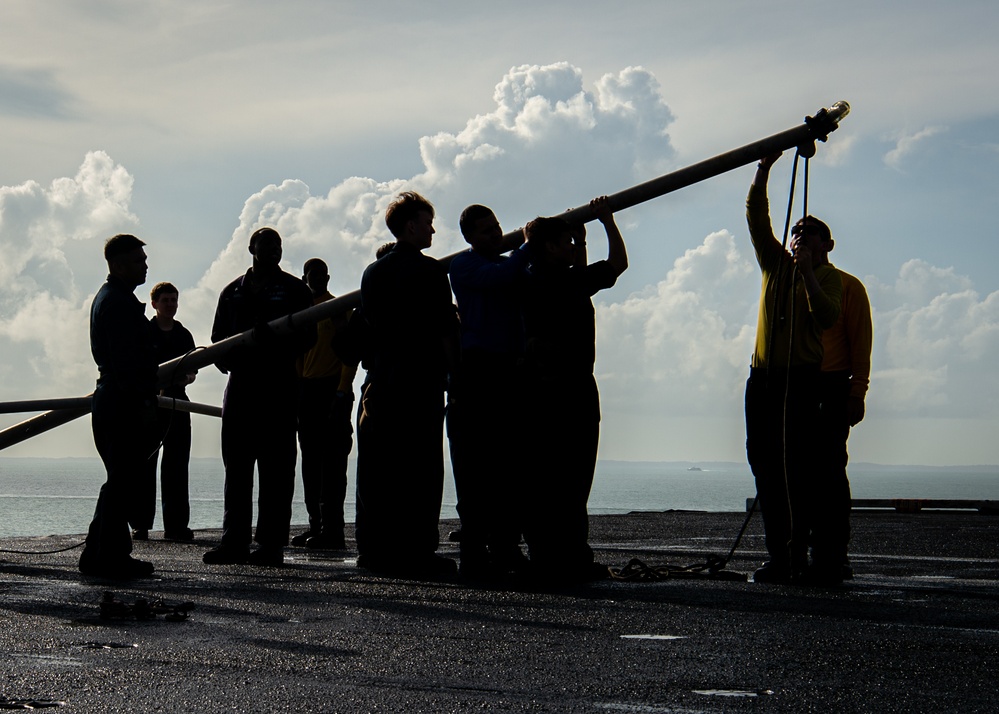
(191, 124)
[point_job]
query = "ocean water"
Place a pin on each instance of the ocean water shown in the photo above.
(41, 496)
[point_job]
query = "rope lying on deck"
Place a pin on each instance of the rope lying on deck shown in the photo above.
(712, 569)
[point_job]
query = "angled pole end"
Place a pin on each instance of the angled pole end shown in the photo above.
(827, 120)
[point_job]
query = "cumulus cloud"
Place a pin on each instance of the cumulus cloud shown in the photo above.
(47, 348)
(918, 283)
(909, 143)
(680, 345)
(684, 343)
(344, 227)
(545, 126)
(37, 223)
(936, 338)
(51, 238)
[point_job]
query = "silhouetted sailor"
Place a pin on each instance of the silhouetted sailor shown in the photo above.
(170, 339)
(487, 466)
(260, 405)
(800, 297)
(563, 406)
(844, 377)
(325, 403)
(123, 412)
(413, 346)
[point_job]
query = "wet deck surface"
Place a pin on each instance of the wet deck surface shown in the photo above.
(917, 630)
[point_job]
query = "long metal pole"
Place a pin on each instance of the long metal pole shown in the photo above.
(813, 129)
(37, 405)
(68, 409)
(182, 405)
(804, 136)
(39, 425)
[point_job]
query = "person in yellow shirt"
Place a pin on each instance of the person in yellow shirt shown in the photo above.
(843, 381)
(800, 297)
(326, 398)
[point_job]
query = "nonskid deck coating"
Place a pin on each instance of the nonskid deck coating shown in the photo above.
(916, 630)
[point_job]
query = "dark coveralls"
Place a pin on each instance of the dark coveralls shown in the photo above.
(406, 300)
(325, 435)
(174, 431)
(259, 409)
(563, 412)
(782, 393)
(830, 534)
(782, 426)
(488, 468)
(123, 413)
(844, 379)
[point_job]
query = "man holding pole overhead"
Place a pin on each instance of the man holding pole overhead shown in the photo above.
(800, 297)
(487, 479)
(563, 409)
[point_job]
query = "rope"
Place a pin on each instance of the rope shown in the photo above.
(770, 348)
(636, 571)
(43, 552)
(790, 347)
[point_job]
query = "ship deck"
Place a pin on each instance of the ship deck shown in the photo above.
(917, 629)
